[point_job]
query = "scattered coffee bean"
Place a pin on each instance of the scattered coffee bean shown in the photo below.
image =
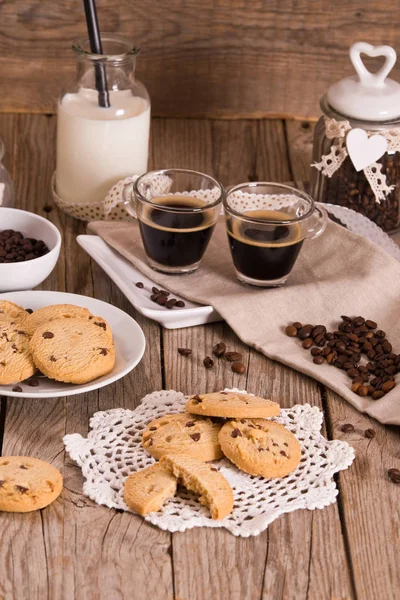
(316, 351)
(370, 433)
(238, 367)
(377, 395)
(362, 390)
(305, 332)
(219, 349)
(291, 331)
(161, 299)
(318, 360)
(387, 386)
(33, 382)
(180, 304)
(171, 303)
(307, 343)
(347, 428)
(139, 285)
(394, 475)
(318, 330)
(184, 351)
(208, 362)
(15, 247)
(233, 356)
(297, 325)
(17, 388)
(165, 293)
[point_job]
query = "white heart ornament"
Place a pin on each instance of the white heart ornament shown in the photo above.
(364, 151)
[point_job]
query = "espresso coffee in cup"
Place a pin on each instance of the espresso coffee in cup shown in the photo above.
(176, 229)
(267, 224)
(177, 210)
(265, 251)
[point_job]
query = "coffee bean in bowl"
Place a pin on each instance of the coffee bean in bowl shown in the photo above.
(29, 249)
(15, 247)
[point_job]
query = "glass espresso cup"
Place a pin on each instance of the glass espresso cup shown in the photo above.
(267, 224)
(177, 210)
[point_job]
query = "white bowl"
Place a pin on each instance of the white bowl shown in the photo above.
(28, 274)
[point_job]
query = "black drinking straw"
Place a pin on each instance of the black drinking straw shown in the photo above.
(96, 48)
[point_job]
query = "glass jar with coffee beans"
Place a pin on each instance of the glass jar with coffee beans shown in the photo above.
(358, 347)
(355, 174)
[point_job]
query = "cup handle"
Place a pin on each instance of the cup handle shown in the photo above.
(320, 220)
(127, 197)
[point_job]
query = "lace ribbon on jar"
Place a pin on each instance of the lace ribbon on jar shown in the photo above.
(330, 163)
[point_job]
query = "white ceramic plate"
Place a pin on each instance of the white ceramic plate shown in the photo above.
(125, 276)
(129, 343)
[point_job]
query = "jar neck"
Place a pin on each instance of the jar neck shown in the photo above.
(118, 61)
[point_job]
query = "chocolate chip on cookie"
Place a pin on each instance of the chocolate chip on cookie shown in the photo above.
(182, 434)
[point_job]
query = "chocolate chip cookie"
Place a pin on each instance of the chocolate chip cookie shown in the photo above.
(260, 447)
(47, 314)
(202, 479)
(231, 405)
(183, 434)
(16, 363)
(146, 490)
(11, 312)
(27, 483)
(72, 350)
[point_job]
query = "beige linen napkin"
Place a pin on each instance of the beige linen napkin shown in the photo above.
(340, 273)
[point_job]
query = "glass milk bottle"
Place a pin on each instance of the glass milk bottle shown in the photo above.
(96, 145)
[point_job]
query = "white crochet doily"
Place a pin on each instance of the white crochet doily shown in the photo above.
(113, 450)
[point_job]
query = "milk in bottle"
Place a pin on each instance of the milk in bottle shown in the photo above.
(97, 146)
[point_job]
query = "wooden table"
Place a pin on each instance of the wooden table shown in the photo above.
(76, 549)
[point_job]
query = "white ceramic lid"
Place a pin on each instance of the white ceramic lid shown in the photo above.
(367, 96)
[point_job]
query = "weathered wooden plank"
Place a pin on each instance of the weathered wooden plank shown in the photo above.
(79, 550)
(244, 150)
(7, 135)
(369, 501)
(369, 533)
(231, 58)
(210, 564)
(320, 569)
(300, 143)
(100, 545)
